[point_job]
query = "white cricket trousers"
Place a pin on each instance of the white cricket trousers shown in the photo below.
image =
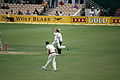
(52, 57)
(55, 43)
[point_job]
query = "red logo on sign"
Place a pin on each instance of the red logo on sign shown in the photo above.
(79, 20)
(116, 20)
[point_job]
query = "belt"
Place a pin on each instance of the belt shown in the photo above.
(52, 52)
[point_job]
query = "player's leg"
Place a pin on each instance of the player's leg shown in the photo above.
(59, 50)
(61, 47)
(48, 61)
(54, 43)
(54, 63)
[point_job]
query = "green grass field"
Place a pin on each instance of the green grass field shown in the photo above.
(94, 52)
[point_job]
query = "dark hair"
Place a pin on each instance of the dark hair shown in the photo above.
(57, 30)
(46, 42)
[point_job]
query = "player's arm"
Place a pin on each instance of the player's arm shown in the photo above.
(53, 29)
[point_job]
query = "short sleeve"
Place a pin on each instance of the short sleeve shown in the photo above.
(47, 46)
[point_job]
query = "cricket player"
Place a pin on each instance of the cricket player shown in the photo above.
(58, 41)
(51, 56)
(92, 12)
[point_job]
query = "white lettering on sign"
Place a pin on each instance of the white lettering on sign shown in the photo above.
(98, 20)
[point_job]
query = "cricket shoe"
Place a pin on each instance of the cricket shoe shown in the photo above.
(58, 54)
(54, 70)
(43, 67)
(67, 48)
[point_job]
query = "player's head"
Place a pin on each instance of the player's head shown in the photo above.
(46, 42)
(57, 30)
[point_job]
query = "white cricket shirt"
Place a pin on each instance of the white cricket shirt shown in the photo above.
(58, 37)
(50, 47)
